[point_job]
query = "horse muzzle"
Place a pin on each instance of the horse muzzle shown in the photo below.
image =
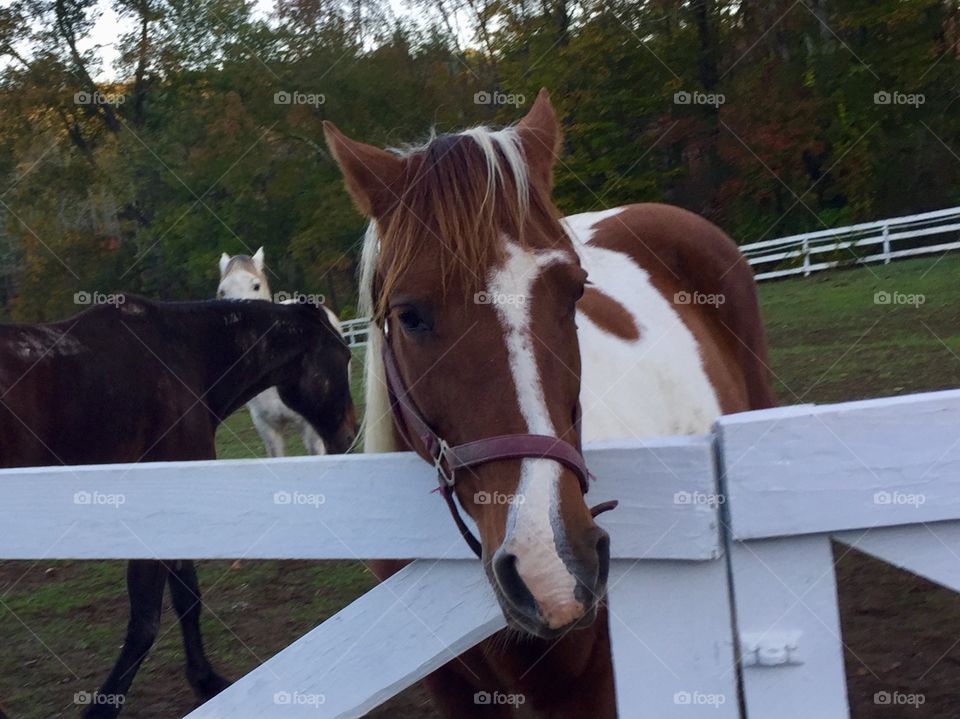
(546, 606)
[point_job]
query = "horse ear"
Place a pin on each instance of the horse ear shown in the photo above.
(224, 261)
(258, 259)
(372, 175)
(539, 135)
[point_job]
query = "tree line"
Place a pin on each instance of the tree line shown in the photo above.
(769, 117)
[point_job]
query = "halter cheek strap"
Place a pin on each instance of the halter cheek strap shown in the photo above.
(449, 459)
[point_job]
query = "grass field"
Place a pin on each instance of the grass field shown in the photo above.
(61, 623)
(830, 341)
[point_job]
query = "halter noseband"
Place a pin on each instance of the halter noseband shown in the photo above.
(448, 459)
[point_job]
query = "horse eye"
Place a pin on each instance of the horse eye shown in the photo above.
(256, 286)
(412, 321)
(221, 294)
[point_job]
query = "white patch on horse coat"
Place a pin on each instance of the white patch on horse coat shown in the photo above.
(40, 342)
(653, 386)
(534, 514)
(580, 227)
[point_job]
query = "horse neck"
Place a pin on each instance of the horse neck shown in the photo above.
(237, 346)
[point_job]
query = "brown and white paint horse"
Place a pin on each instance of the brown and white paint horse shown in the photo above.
(481, 290)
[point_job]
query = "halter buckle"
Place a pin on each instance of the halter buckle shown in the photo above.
(440, 460)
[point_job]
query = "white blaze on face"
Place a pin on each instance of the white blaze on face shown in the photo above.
(533, 518)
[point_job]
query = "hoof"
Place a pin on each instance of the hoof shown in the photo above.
(209, 686)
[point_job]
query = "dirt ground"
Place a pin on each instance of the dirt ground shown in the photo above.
(62, 623)
(902, 633)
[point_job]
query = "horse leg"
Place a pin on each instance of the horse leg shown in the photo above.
(145, 579)
(185, 593)
(311, 440)
(271, 436)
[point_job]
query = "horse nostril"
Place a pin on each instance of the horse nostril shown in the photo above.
(511, 583)
(344, 440)
(593, 571)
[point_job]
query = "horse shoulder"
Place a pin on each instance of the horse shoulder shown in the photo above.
(668, 324)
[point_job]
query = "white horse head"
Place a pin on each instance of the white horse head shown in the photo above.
(243, 278)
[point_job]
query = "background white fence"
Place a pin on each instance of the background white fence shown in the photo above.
(355, 331)
(722, 568)
(880, 241)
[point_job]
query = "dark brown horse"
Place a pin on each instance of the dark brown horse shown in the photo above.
(483, 319)
(143, 381)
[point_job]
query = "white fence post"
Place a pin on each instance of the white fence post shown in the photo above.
(793, 477)
(672, 640)
(886, 244)
(670, 622)
(789, 628)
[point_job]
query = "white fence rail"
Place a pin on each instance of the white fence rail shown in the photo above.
(880, 241)
(746, 515)
(355, 331)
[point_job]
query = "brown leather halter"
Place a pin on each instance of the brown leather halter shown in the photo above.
(448, 459)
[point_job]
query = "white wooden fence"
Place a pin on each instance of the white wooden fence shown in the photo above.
(722, 572)
(880, 241)
(355, 331)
